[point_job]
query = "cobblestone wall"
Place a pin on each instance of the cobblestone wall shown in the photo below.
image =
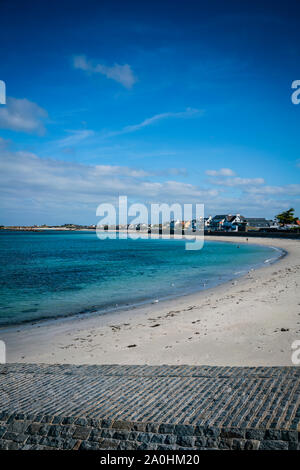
(143, 407)
(26, 432)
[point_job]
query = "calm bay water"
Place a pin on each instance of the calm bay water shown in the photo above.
(52, 274)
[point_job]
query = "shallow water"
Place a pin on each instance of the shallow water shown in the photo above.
(53, 274)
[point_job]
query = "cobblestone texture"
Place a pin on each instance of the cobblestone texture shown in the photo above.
(149, 407)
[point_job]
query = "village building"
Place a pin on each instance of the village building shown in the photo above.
(258, 223)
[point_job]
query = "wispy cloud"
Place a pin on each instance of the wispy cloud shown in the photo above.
(75, 137)
(227, 177)
(22, 115)
(120, 73)
(237, 181)
(285, 190)
(188, 113)
(253, 193)
(78, 136)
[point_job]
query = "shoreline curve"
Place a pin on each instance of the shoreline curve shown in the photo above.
(239, 322)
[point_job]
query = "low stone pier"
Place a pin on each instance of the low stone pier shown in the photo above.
(148, 407)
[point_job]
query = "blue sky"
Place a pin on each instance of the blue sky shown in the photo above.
(159, 101)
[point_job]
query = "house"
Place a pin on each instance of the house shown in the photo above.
(234, 223)
(207, 221)
(195, 225)
(217, 222)
(227, 222)
(274, 225)
(258, 223)
(176, 224)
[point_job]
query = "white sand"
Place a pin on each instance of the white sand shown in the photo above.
(238, 323)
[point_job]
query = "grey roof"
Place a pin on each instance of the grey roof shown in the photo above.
(223, 216)
(258, 221)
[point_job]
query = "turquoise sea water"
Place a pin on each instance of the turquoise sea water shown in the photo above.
(53, 274)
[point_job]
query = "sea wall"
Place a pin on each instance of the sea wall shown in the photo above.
(149, 407)
(44, 432)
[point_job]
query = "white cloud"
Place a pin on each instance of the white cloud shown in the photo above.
(115, 170)
(40, 190)
(120, 73)
(237, 181)
(28, 181)
(22, 115)
(221, 172)
(285, 190)
(227, 177)
(251, 205)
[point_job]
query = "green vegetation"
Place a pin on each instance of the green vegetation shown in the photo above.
(287, 217)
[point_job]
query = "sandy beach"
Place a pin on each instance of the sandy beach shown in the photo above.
(250, 321)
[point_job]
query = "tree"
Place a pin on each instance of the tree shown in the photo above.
(287, 217)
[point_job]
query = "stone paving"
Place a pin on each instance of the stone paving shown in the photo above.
(148, 407)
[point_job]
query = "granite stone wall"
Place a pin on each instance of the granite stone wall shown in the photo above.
(149, 408)
(42, 432)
